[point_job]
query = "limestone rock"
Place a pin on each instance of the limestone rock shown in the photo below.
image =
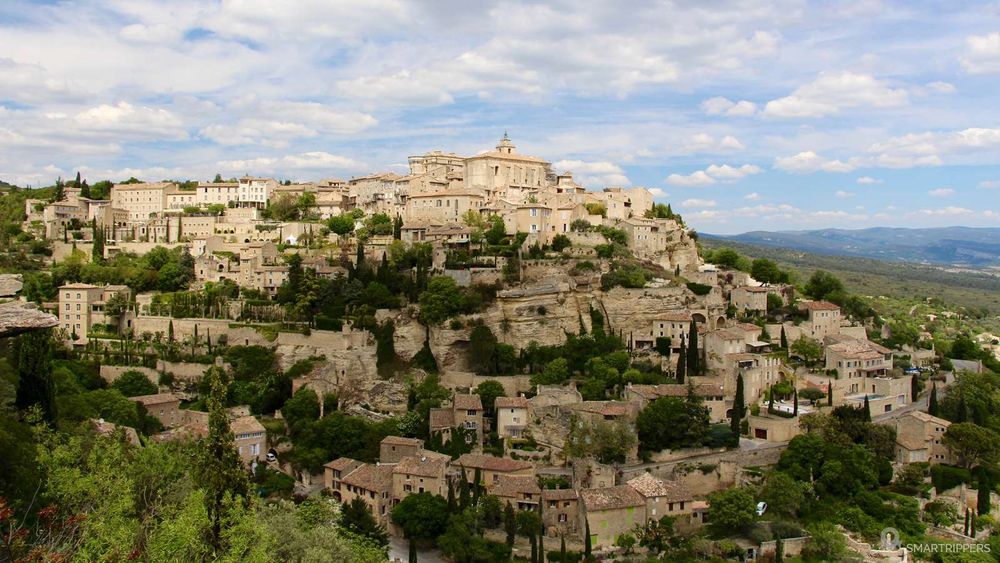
(18, 316)
(10, 284)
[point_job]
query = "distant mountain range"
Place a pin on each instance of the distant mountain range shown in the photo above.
(945, 246)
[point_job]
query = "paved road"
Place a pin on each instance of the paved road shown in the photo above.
(399, 550)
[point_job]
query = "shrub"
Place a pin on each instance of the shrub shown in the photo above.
(699, 289)
(945, 477)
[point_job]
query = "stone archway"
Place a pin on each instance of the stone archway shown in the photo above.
(720, 322)
(699, 318)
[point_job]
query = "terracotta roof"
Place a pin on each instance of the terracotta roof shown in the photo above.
(604, 408)
(511, 403)
(611, 498)
(157, 399)
(377, 478)
(425, 464)
(441, 418)
(649, 486)
(343, 464)
(818, 306)
(911, 442)
(677, 316)
(401, 441)
(515, 486)
(749, 327)
(246, 425)
(465, 402)
(725, 335)
(676, 390)
(925, 417)
(560, 494)
(491, 463)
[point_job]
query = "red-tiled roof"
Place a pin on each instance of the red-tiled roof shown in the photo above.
(491, 463)
(511, 403)
(611, 498)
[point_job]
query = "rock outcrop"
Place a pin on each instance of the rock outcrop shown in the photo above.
(17, 317)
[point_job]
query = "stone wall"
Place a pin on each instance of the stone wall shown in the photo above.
(111, 373)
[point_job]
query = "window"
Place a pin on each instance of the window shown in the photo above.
(562, 517)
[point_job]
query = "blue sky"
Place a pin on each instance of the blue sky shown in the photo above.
(743, 115)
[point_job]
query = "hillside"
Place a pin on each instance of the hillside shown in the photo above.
(866, 276)
(952, 246)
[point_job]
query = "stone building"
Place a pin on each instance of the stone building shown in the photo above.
(505, 173)
(83, 305)
(465, 411)
(165, 407)
(610, 512)
(918, 438)
(520, 491)
(373, 485)
(749, 299)
(250, 438)
(822, 319)
(394, 448)
(512, 416)
(142, 201)
(561, 515)
(492, 468)
(425, 472)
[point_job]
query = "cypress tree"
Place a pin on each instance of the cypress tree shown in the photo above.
(451, 498)
(541, 533)
(972, 524)
(868, 409)
(770, 399)
(983, 495)
(413, 551)
(562, 549)
(477, 479)
(587, 547)
(932, 402)
(681, 364)
(509, 523)
(784, 339)
(463, 491)
(33, 352)
(738, 407)
(78, 181)
(914, 388)
(692, 358)
(965, 528)
(220, 470)
(829, 393)
(779, 551)
(795, 401)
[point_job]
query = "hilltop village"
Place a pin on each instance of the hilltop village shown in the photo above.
(484, 327)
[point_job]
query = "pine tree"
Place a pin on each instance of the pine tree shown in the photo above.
(693, 368)
(60, 193)
(220, 469)
(868, 409)
(509, 523)
(932, 402)
(33, 353)
(85, 190)
(682, 363)
(738, 406)
(784, 339)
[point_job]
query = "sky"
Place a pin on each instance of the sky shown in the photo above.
(743, 115)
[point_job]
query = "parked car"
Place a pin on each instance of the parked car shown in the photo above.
(761, 508)
(271, 457)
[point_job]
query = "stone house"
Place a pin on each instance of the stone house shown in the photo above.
(425, 472)
(512, 416)
(394, 448)
(82, 305)
(674, 325)
(856, 359)
(373, 485)
(712, 395)
(749, 299)
(663, 498)
(918, 438)
(773, 428)
(610, 512)
(492, 468)
(466, 411)
(334, 473)
(822, 319)
(446, 206)
(520, 491)
(250, 437)
(165, 407)
(561, 514)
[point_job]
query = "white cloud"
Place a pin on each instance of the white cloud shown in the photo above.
(697, 178)
(752, 196)
(928, 148)
(945, 212)
(989, 184)
(658, 193)
(698, 203)
(712, 174)
(843, 194)
(723, 106)
(941, 192)
(982, 54)
(834, 91)
(727, 172)
(313, 161)
(125, 120)
(594, 174)
(706, 143)
(868, 180)
(942, 87)
(808, 161)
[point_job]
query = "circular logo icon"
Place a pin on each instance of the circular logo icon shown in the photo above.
(890, 539)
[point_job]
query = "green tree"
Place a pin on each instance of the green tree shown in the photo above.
(497, 231)
(341, 224)
(821, 284)
(767, 271)
(220, 468)
(134, 383)
(97, 253)
(783, 494)
(442, 299)
(983, 489)
(529, 524)
(784, 339)
(488, 392)
(972, 444)
(422, 516)
(301, 409)
(556, 372)
(809, 349)
(732, 509)
(682, 363)
(482, 350)
(509, 523)
(932, 402)
(694, 367)
(356, 517)
(739, 407)
(671, 422)
(33, 353)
